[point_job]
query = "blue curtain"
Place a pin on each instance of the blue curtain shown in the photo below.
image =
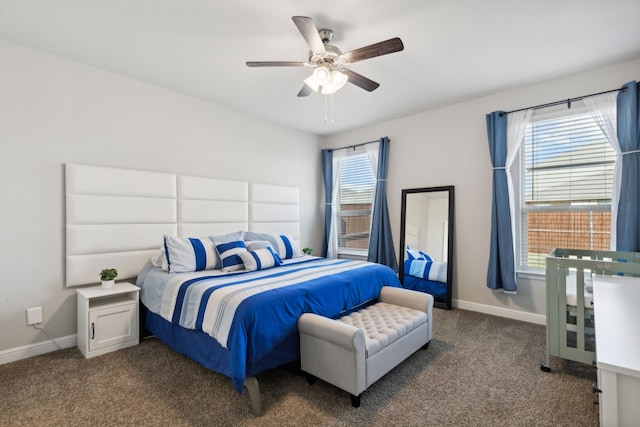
(381, 248)
(327, 171)
(501, 275)
(628, 221)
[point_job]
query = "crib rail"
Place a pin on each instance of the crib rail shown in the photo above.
(581, 264)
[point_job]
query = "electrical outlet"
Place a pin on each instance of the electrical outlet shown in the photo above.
(34, 315)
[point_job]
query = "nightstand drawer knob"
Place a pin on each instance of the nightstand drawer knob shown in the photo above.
(93, 330)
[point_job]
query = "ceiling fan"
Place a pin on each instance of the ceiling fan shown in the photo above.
(330, 63)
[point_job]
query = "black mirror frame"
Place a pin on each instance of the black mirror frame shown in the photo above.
(439, 301)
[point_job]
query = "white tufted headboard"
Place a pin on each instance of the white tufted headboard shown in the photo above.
(116, 218)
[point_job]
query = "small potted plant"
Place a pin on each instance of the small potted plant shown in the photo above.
(307, 251)
(108, 276)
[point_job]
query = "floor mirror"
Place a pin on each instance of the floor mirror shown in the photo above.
(426, 240)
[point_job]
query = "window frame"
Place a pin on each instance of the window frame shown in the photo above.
(517, 174)
(350, 252)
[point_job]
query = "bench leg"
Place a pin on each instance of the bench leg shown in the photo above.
(310, 378)
(426, 346)
(355, 401)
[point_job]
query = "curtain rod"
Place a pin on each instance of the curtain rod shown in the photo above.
(354, 145)
(568, 101)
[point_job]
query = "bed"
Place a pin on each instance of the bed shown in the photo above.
(422, 273)
(246, 321)
(106, 207)
(570, 314)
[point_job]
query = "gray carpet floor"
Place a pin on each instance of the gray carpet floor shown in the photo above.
(479, 370)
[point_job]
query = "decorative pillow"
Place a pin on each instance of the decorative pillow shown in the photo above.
(158, 258)
(260, 259)
(224, 238)
(413, 254)
(254, 245)
(283, 245)
(188, 254)
(229, 253)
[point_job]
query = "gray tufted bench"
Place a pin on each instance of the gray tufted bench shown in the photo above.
(356, 350)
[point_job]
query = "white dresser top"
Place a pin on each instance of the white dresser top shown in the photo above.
(617, 323)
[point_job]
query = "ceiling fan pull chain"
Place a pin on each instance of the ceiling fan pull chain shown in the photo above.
(331, 110)
(325, 109)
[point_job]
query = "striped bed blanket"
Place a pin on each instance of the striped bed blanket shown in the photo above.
(426, 269)
(250, 313)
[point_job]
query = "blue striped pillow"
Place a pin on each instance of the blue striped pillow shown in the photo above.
(222, 238)
(260, 259)
(229, 255)
(416, 254)
(185, 254)
(282, 244)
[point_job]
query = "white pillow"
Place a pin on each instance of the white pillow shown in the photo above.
(282, 244)
(189, 254)
(158, 258)
(224, 238)
(229, 255)
(260, 259)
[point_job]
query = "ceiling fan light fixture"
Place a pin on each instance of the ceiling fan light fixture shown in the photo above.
(312, 83)
(338, 80)
(322, 75)
(333, 82)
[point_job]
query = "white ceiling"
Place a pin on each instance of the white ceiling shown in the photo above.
(454, 49)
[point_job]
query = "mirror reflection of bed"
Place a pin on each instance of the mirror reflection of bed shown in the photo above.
(426, 236)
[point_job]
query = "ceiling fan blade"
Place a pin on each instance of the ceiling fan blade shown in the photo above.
(360, 80)
(276, 64)
(371, 51)
(310, 33)
(305, 91)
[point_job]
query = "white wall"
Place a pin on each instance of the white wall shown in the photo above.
(448, 146)
(54, 111)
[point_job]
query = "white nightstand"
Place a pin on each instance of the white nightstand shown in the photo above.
(107, 318)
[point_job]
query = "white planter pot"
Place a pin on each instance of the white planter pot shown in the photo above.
(108, 284)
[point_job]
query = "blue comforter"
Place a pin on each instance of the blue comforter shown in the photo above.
(251, 313)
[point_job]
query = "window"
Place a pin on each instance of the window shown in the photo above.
(356, 193)
(566, 179)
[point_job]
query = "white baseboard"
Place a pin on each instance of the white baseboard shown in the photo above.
(501, 312)
(36, 349)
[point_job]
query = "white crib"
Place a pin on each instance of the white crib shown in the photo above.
(570, 317)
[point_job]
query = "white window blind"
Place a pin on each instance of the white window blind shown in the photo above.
(566, 181)
(357, 189)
